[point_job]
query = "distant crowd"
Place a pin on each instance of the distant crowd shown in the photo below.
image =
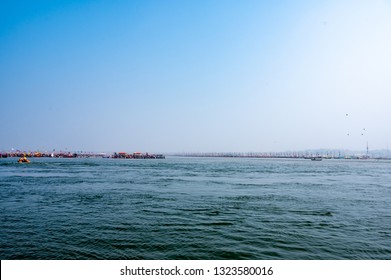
(123, 155)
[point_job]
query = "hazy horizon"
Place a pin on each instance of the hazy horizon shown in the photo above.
(320, 151)
(195, 76)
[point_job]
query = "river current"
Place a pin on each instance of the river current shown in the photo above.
(195, 208)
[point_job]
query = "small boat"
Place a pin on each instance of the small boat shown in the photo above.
(23, 160)
(316, 158)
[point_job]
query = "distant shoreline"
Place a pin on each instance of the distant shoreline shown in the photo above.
(361, 157)
(139, 155)
(136, 155)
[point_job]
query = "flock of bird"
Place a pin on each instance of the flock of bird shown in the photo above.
(363, 130)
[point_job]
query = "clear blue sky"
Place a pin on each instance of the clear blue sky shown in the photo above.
(195, 76)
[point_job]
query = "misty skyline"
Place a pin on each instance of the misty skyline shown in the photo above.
(195, 76)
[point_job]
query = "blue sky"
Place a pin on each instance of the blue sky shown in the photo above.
(195, 76)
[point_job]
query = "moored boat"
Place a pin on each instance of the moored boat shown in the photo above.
(23, 160)
(316, 158)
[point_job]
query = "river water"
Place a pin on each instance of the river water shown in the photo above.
(195, 208)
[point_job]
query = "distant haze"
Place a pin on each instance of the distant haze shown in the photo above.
(195, 76)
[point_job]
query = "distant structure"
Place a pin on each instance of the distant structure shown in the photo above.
(136, 155)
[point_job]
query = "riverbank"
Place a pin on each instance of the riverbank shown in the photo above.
(136, 155)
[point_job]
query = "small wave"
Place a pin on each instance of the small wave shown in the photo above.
(217, 224)
(233, 255)
(272, 255)
(313, 213)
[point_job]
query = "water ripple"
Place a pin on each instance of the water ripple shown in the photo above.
(187, 208)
